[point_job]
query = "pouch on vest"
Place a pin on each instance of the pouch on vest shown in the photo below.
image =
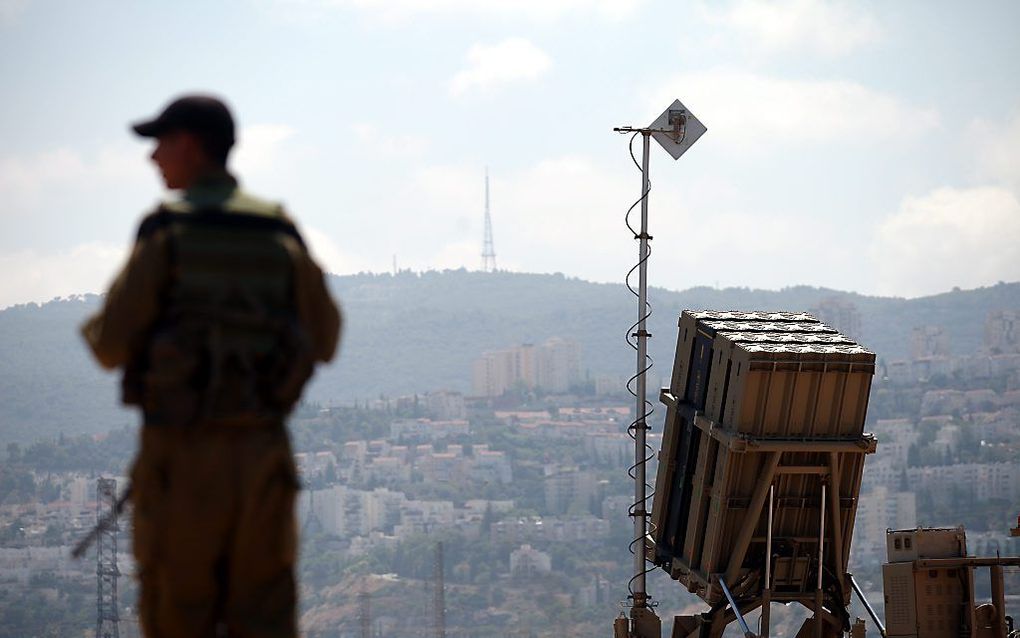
(228, 347)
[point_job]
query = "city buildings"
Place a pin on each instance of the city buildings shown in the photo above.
(528, 562)
(841, 314)
(880, 509)
(554, 366)
(1002, 332)
(929, 341)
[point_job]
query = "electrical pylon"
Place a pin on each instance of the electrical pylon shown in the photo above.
(107, 616)
(365, 613)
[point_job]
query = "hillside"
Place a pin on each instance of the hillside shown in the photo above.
(417, 332)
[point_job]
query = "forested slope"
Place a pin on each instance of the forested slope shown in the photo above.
(414, 332)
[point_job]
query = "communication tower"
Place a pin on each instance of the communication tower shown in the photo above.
(107, 617)
(488, 249)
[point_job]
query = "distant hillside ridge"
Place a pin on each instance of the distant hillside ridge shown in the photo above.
(415, 332)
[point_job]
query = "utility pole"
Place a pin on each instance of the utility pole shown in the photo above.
(488, 248)
(365, 613)
(676, 129)
(439, 595)
(107, 616)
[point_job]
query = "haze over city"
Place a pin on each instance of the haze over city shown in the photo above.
(827, 395)
(858, 146)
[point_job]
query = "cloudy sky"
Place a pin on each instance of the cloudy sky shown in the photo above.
(865, 146)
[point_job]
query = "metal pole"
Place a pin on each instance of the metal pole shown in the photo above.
(766, 596)
(999, 600)
(640, 427)
(768, 541)
(736, 610)
(821, 557)
(867, 605)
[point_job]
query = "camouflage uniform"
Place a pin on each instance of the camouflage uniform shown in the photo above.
(214, 481)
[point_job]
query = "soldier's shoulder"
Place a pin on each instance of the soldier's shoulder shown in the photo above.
(236, 200)
(241, 201)
(255, 211)
(155, 219)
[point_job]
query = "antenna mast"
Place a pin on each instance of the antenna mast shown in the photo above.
(675, 130)
(488, 249)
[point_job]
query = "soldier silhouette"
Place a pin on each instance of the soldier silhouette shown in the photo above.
(217, 320)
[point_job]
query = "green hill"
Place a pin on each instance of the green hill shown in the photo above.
(414, 332)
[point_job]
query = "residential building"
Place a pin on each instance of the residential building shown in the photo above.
(427, 429)
(553, 366)
(841, 314)
(929, 341)
(878, 510)
(1002, 332)
(569, 489)
(528, 562)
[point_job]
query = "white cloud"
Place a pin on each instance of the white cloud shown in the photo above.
(27, 181)
(112, 186)
(329, 256)
(11, 10)
(538, 10)
(456, 254)
(750, 110)
(547, 217)
(949, 237)
(90, 267)
(565, 214)
(114, 178)
(389, 144)
(829, 27)
(492, 66)
(998, 151)
(41, 276)
(258, 147)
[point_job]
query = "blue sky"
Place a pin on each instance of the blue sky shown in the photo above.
(866, 146)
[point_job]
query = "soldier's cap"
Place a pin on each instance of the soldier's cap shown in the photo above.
(204, 115)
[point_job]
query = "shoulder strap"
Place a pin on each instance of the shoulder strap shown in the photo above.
(217, 218)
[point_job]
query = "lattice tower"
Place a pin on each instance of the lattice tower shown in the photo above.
(365, 613)
(488, 248)
(107, 616)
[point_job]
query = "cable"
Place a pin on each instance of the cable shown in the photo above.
(631, 338)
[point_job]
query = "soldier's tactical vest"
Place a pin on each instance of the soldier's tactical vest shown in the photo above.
(228, 347)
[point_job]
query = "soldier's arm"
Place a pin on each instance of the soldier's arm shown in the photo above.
(316, 309)
(131, 305)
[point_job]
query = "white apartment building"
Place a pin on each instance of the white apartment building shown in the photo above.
(569, 489)
(527, 562)
(977, 481)
(314, 464)
(609, 449)
(428, 429)
(549, 528)
(553, 366)
(878, 510)
(453, 465)
(446, 405)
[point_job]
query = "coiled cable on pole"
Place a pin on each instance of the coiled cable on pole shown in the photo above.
(640, 420)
